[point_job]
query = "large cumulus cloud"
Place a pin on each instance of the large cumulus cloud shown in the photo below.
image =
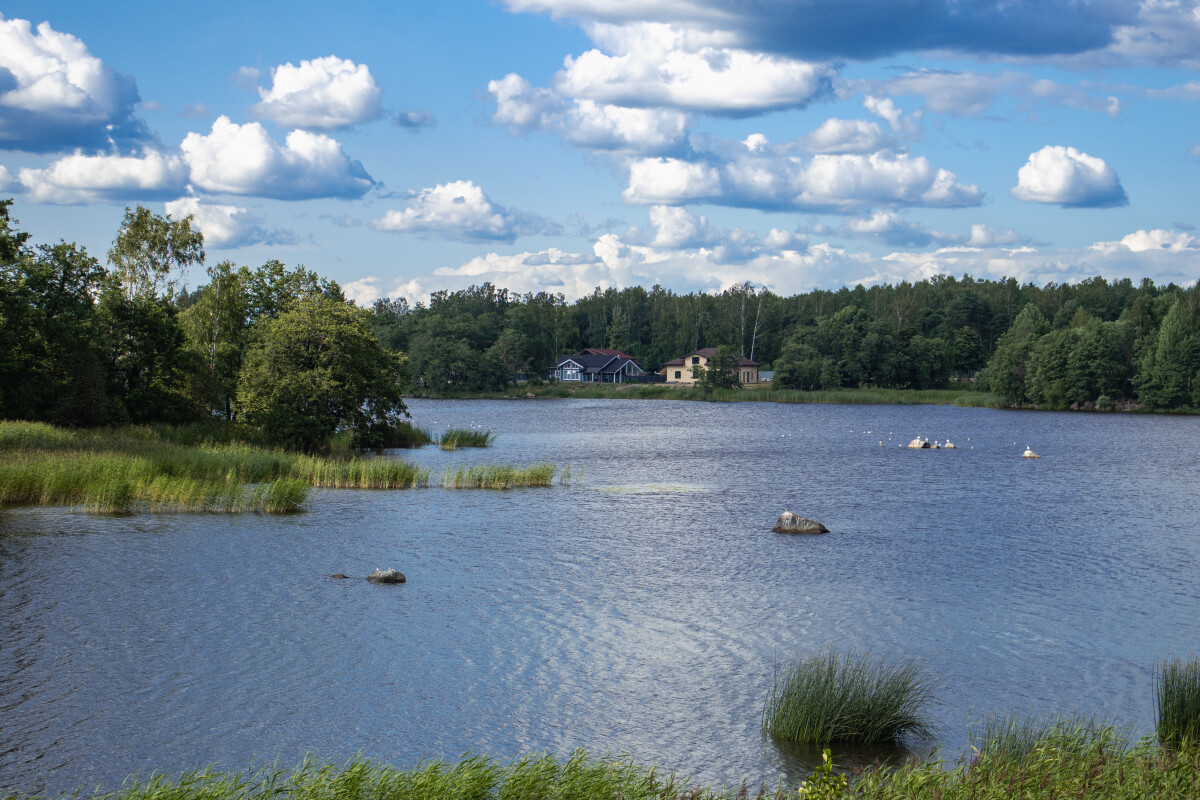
(327, 93)
(1069, 178)
(56, 96)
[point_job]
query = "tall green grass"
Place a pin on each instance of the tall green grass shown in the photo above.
(1020, 739)
(454, 438)
(537, 777)
(1177, 702)
(851, 697)
(498, 476)
(141, 468)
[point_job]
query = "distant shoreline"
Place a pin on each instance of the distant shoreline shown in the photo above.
(960, 397)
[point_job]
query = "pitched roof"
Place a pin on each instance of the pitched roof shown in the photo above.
(594, 363)
(606, 351)
(708, 353)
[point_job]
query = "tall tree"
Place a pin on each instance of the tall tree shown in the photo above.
(148, 247)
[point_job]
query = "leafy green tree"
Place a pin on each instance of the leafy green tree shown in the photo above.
(316, 369)
(721, 372)
(1008, 366)
(1167, 371)
(148, 247)
(966, 352)
(143, 352)
(217, 327)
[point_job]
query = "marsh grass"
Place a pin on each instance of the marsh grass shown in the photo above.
(1177, 702)
(454, 438)
(536, 777)
(1019, 739)
(1139, 772)
(498, 476)
(851, 697)
(130, 469)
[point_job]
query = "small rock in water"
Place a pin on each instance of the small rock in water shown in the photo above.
(794, 523)
(339, 575)
(388, 575)
(530, 396)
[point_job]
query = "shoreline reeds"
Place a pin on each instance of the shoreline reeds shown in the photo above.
(1177, 702)
(851, 697)
(143, 469)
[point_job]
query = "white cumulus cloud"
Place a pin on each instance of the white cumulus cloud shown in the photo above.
(227, 226)
(460, 210)
(654, 64)
(586, 123)
(244, 160)
(844, 136)
(843, 183)
(82, 178)
(327, 93)
(55, 95)
(1070, 178)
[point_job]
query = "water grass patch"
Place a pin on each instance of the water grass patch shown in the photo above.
(1177, 702)
(847, 697)
(454, 438)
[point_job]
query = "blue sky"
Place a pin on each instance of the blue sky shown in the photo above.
(561, 145)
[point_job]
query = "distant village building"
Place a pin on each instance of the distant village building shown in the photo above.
(598, 365)
(680, 370)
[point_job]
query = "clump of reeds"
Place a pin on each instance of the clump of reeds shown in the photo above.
(1017, 739)
(498, 476)
(851, 697)
(359, 473)
(454, 438)
(1177, 702)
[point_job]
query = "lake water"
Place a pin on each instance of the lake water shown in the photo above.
(639, 611)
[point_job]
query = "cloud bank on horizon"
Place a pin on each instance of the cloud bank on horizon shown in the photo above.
(794, 145)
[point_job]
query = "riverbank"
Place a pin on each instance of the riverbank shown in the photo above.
(205, 469)
(1145, 772)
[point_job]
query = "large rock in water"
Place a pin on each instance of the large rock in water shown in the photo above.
(388, 575)
(794, 523)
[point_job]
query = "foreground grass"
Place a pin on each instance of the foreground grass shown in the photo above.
(538, 777)
(1142, 772)
(851, 697)
(127, 469)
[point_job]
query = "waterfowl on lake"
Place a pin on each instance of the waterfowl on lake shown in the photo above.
(1029, 453)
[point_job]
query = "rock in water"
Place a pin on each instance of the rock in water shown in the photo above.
(1029, 453)
(388, 575)
(794, 523)
(339, 575)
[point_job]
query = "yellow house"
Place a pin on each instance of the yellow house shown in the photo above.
(680, 370)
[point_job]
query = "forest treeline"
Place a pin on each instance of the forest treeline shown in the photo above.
(281, 349)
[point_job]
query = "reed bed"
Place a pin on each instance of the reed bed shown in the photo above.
(454, 438)
(1020, 739)
(359, 473)
(851, 697)
(140, 468)
(537, 777)
(498, 476)
(1177, 702)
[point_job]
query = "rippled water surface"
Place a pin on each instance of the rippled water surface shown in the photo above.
(638, 611)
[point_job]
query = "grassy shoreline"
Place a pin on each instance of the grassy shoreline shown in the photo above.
(176, 469)
(967, 398)
(1094, 768)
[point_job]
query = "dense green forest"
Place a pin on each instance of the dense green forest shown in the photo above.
(282, 350)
